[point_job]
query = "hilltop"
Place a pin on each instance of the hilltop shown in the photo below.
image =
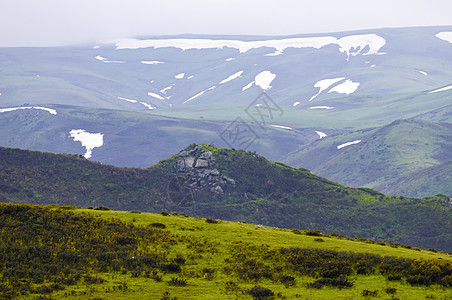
(228, 184)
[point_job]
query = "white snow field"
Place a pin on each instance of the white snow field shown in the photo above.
(321, 134)
(321, 107)
(350, 45)
(152, 62)
(232, 77)
(199, 94)
(88, 140)
(264, 79)
(180, 76)
(348, 87)
(348, 144)
(441, 89)
(49, 110)
(324, 84)
(156, 96)
(282, 127)
(445, 36)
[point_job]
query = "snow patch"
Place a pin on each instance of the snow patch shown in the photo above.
(423, 73)
(190, 77)
(348, 144)
(148, 105)
(324, 84)
(156, 96)
(100, 58)
(321, 107)
(441, 89)
(321, 134)
(88, 140)
(296, 103)
(264, 79)
(128, 100)
(180, 76)
(232, 77)
(282, 127)
(152, 62)
(49, 110)
(167, 88)
(445, 36)
(103, 59)
(230, 58)
(348, 87)
(353, 45)
(199, 94)
(247, 86)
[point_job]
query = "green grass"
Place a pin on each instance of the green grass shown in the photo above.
(223, 234)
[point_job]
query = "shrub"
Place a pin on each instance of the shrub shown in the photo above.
(312, 232)
(158, 225)
(259, 292)
(369, 293)
(171, 267)
(164, 213)
(340, 282)
(390, 290)
(212, 221)
(177, 281)
(296, 231)
(318, 240)
(179, 259)
(135, 212)
(101, 208)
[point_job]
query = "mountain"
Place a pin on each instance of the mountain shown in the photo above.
(68, 252)
(405, 157)
(236, 185)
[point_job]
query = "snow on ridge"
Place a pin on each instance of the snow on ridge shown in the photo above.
(296, 103)
(441, 89)
(348, 144)
(232, 77)
(156, 96)
(321, 107)
(149, 106)
(351, 45)
(264, 79)
(199, 94)
(324, 84)
(321, 134)
(88, 140)
(347, 87)
(247, 86)
(423, 73)
(167, 88)
(282, 127)
(445, 36)
(103, 59)
(355, 44)
(151, 62)
(128, 100)
(49, 110)
(179, 76)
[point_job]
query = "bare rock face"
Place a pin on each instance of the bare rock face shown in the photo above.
(198, 169)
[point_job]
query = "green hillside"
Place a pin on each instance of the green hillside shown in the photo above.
(51, 252)
(236, 185)
(406, 157)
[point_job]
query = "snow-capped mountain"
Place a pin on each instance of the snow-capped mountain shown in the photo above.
(135, 101)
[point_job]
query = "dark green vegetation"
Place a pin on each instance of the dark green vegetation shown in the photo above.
(404, 157)
(231, 185)
(65, 253)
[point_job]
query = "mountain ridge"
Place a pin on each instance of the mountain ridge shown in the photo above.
(205, 181)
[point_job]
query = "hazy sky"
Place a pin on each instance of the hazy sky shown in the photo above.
(61, 22)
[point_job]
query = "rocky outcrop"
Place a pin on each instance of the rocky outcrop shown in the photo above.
(197, 167)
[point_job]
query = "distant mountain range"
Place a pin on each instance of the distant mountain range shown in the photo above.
(205, 181)
(137, 101)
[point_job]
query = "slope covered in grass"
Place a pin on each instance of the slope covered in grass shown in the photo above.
(70, 253)
(235, 185)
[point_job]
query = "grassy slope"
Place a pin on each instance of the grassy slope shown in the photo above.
(386, 157)
(265, 192)
(221, 238)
